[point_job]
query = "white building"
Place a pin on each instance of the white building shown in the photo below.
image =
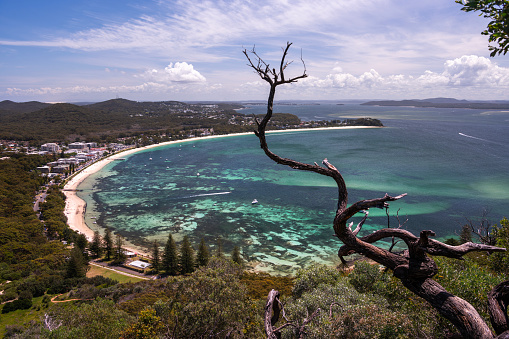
(50, 147)
(78, 145)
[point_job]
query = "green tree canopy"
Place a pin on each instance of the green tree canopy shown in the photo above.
(155, 257)
(95, 245)
(170, 258)
(498, 27)
(236, 256)
(76, 265)
(186, 256)
(202, 258)
(108, 243)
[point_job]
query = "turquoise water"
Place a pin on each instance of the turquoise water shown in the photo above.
(452, 164)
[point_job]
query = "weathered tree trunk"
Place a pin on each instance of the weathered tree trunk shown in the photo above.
(459, 312)
(272, 310)
(498, 299)
(415, 267)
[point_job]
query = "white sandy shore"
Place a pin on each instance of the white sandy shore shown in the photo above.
(75, 206)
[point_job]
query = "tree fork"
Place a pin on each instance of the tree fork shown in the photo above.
(415, 268)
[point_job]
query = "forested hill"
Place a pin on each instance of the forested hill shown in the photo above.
(442, 103)
(40, 122)
(11, 107)
(110, 120)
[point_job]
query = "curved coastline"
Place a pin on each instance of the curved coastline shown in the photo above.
(75, 207)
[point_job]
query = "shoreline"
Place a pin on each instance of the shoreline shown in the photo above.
(75, 207)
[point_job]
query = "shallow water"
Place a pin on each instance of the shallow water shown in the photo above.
(452, 164)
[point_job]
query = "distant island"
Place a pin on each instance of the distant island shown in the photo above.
(442, 103)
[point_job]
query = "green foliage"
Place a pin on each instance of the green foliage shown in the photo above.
(219, 253)
(170, 258)
(236, 256)
(97, 319)
(344, 312)
(499, 261)
(212, 302)
(498, 27)
(148, 326)
(156, 262)
(186, 256)
(366, 277)
(260, 284)
(308, 279)
(202, 258)
(118, 252)
(18, 304)
(96, 245)
(468, 280)
(76, 264)
(108, 243)
(452, 241)
(466, 234)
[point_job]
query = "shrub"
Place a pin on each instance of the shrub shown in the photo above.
(366, 277)
(260, 284)
(346, 313)
(308, 279)
(98, 319)
(468, 280)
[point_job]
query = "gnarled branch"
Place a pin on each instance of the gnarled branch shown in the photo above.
(414, 267)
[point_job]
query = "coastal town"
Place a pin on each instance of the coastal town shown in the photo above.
(73, 162)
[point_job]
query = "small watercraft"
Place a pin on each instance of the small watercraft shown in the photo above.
(254, 201)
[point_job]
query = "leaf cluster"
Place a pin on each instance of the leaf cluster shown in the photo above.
(498, 27)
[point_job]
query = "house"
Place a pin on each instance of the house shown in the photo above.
(50, 147)
(44, 169)
(60, 168)
(77, 146)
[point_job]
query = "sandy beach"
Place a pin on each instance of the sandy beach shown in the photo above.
(75, 206)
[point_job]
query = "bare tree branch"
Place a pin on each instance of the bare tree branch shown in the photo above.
(414, 267)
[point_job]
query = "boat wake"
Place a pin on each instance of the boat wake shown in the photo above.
(469, 136)
(208, 194)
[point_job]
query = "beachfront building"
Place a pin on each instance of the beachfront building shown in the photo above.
(68, 161)
(60, 169)
(50, 147)
(77, 146)
(44, 169)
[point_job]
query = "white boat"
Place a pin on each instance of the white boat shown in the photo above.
(254, 201)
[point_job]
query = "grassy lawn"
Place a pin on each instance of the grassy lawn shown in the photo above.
(20, 317)
(36, 312)
(121, 278)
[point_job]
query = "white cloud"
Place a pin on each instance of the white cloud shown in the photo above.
(468, 70)
(188, 24)
(178, 72)
(472, 70)
(464, 77)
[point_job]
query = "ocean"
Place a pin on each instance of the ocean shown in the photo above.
(453, 163)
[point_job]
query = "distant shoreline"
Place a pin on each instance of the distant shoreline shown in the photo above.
(75, 207)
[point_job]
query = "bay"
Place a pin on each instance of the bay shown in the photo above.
(453, 163)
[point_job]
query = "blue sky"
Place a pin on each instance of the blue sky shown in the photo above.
(152, 50)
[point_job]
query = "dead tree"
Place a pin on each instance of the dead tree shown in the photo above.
(414, 267)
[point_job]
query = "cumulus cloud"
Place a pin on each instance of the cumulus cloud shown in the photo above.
(468, 70)
(474, 70)
(178, 72)
(466, 76)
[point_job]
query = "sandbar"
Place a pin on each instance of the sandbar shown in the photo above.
(75, 207)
